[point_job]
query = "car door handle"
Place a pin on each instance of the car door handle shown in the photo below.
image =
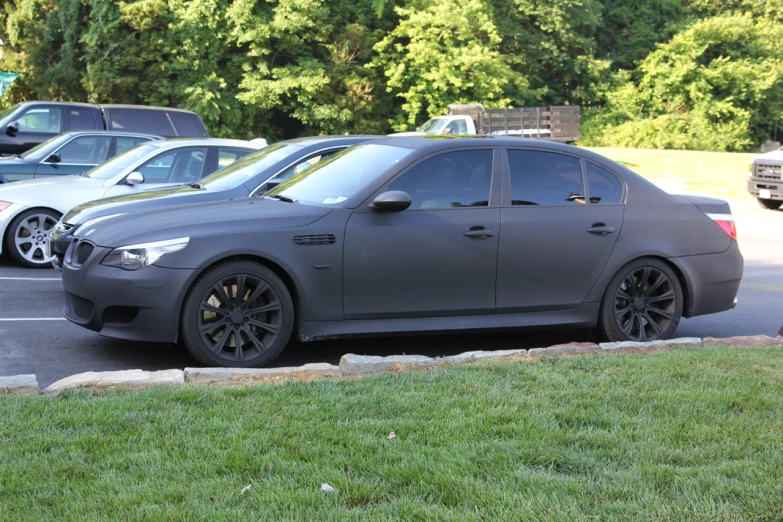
(479, 232)
(600, 229)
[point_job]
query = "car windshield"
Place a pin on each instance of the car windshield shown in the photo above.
(42, 150)
(432, 126)
(242, 170)
(335, 179)
(120, 162)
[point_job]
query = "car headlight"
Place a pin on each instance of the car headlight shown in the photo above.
(135, 257)
(4, 205)
(92, 221)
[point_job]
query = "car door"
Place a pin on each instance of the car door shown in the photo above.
(78, 155)
(38, 124)
(173, 167)
(558, 229)
(438, 257)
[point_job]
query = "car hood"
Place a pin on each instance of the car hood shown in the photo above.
(775, 155)
(137, 202)
(201, 219)
(11, 161)
(35, 192)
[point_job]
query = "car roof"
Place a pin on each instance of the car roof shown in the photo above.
(203, 142)
(142, 107)
(113, 133)
(448, 141)
(331, 139)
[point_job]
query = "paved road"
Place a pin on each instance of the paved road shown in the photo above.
(35, 339)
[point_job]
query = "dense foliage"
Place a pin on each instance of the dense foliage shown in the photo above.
(691, 74)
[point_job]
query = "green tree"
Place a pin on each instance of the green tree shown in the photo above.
(716, 86)
(442, 52)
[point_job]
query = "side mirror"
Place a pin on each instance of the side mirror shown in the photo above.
(134, 178)
(12, 128)
(53, 158)
(392, 201)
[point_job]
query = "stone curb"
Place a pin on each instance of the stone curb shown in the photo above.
(259, 375)
(351, 365)
(19, 385)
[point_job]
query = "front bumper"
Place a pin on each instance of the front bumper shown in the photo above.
(141, 305)
(757, 188)
(712, 280)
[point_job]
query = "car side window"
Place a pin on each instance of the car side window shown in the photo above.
(81, 119)
(545, 178)
(152, 121)
(181, 166)
(187, 125)
(604, 186)
(228, 156)
(125, 143)
(85, 150)
(40, 119)
(449, 180)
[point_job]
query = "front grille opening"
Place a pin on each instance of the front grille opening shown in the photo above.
(83, 252)
(82, 308)
(120, 314)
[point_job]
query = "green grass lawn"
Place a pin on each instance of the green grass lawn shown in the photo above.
(719, 174)
(685, 435)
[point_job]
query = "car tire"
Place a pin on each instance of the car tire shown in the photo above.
(770, 204)
(643, 302)
(238, 314)
(26, 237)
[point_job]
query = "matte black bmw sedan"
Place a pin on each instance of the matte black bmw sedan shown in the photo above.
(410, 235)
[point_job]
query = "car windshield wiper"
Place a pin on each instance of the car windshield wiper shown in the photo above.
(198, 186)
(282, 198)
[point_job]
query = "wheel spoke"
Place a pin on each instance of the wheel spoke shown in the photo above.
(621, 293)
(629, 325)
(642, 331)
(218, 346)
(255, 340)
(266, 308)
(643, 280)
(266, 326)
(657, 284)
(26, 226)
(623, 311)
(656, 327)
(205, 307)
(259, 290)
(239, 354)
(239, 297)
(663, 313)
(209, 328)
(664, 297)
(24, 241)
(221, 293)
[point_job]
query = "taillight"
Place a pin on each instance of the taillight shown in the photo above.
(726, 223)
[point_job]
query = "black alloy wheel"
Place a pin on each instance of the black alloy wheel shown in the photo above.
(239, 314)
(642, 303)
(770, 204)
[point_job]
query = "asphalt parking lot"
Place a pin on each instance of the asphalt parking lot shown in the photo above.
(34, 337)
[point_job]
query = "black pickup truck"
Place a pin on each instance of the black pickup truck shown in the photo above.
(30, 123)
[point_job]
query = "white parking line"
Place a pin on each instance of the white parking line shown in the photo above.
(33, 319)
(30, 279)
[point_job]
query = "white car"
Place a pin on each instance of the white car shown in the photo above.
(30, 209)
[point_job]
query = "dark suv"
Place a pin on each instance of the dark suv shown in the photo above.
(31, 123)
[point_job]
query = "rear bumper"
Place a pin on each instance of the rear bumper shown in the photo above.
(755, 186)
(712, 280)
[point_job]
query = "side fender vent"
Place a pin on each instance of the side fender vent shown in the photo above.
(317, 239)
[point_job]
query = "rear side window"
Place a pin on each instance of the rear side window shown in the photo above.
(228, 156)
(545, 178)
(82, 119)
(125, 143)
(153, 122)
(188, 125)
(604, 186)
